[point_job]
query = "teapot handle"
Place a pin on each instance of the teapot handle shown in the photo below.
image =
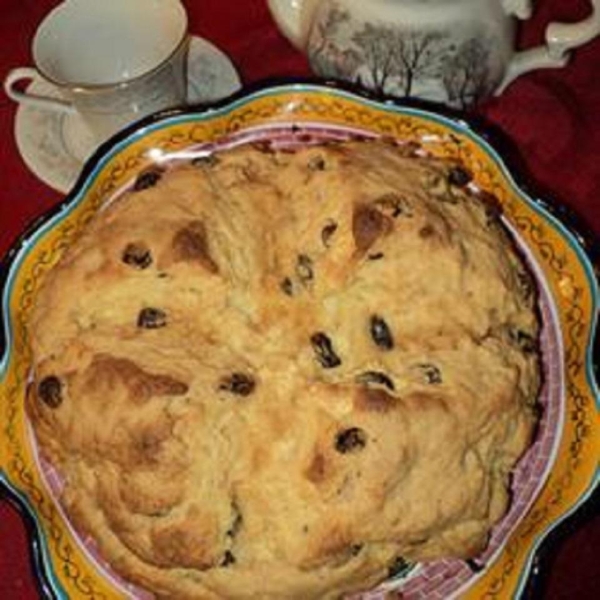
(287, 15)
(560, 38)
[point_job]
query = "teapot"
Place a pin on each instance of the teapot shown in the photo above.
(453, 51)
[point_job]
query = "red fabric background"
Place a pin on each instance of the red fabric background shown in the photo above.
(553, 117)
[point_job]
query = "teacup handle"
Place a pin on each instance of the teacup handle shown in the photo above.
(560, 38)
(44, 102)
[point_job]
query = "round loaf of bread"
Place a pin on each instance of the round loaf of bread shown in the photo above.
(269, 374)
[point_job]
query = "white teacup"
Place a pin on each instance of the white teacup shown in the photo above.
(113, 61)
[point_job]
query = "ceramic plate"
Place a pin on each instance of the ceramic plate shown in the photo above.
(557, 474)
(54, 145)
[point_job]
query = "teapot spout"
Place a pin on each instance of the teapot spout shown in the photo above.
(518, 8)
(291, 18)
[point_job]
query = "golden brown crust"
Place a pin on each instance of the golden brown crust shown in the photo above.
(269, 374)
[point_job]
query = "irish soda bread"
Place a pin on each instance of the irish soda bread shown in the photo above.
(268, 374)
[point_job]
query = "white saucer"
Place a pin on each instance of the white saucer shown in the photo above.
(54, 145)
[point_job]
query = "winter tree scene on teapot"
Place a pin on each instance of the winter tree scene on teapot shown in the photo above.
(453, 51)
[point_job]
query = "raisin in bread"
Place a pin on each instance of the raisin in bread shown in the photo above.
(268, 374)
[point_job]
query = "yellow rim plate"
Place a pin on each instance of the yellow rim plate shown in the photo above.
(70, 569)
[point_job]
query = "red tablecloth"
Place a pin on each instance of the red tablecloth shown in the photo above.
(553, 116)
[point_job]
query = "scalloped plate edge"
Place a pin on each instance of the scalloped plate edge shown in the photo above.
(459, 124)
